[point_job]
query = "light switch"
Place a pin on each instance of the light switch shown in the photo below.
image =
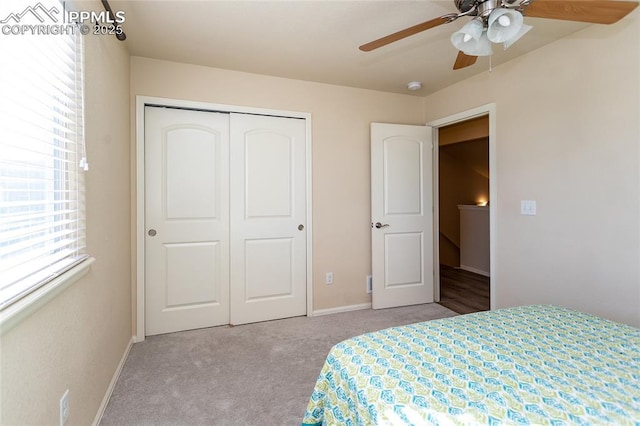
(528, 207)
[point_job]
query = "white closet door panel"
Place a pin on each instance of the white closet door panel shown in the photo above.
(268, 269)
(186, 219)
(189, 194)
(268, 201)
(268, 175)
(197, 261)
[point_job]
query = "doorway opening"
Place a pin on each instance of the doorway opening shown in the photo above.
(463, 217)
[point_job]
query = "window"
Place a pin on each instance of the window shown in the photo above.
(42, 158)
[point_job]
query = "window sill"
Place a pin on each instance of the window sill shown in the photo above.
(13, 314)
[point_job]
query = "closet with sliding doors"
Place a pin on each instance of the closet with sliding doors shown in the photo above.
(224, 215)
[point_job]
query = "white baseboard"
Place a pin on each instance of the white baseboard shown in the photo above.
(112, 384)
(475, 270)
(340, 309)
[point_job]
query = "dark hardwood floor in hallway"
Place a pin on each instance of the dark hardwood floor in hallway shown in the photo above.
(462, 291)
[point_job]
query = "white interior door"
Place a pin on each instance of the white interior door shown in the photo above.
(401, 214)
(268, 211)
(186, 219)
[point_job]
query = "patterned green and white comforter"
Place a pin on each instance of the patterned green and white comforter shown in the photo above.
(536, 365)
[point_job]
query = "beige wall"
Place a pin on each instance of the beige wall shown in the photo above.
(474, 239)
(76, 341)
(341, 159)
(568, 136)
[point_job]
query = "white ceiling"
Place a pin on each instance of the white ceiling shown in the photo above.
(316, 40)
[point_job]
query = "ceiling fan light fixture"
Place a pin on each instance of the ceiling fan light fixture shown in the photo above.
(504, 24)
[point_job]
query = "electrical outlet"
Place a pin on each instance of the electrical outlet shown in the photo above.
(64, 408)
(329, 278)
(369, 284)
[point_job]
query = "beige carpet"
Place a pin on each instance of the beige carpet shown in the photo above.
(255, 374)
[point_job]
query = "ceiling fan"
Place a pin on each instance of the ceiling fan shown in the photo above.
(502, 21)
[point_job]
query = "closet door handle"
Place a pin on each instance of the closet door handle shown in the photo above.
(152, 232)
(380, 225)
(300, 227)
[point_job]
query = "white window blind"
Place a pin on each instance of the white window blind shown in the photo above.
(42, 211)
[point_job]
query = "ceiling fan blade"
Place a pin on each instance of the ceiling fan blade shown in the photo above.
(463, 60)
(592, 11)
(405, 33)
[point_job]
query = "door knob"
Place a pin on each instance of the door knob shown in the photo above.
(152, 232)
(300, 227)
(380, 225)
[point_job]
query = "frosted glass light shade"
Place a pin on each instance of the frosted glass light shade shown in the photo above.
(467, 37)
(504, 24)
(525, 29)
(481, 48)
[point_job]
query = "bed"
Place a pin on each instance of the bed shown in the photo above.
(542, 365)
